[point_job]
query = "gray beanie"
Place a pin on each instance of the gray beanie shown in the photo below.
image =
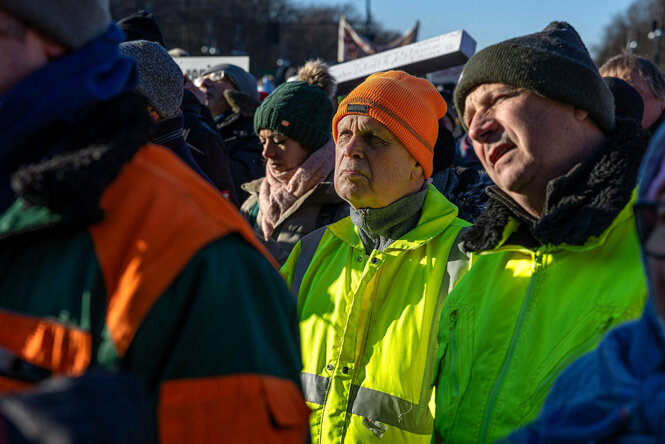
(553, 63)
(242, 79)
(71, 22)
(160, 79)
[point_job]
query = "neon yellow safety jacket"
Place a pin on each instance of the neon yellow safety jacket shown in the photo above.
(519, 317)
(368, 325)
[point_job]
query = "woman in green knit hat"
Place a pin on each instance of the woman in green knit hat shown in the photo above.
(297, 194)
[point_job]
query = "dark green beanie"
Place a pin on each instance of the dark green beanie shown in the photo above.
(298, 110)
(553, 63)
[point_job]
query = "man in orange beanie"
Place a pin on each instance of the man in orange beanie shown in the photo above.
(371, 286)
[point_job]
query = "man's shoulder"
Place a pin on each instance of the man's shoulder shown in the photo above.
(156, 184)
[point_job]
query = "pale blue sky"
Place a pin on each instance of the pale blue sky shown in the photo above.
(491, 21)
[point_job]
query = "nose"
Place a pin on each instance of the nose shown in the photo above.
(269, 149)
(352, 148)
(482, 127)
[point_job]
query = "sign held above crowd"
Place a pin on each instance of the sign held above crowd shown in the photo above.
(435, 54)
(193, 67)
(351, 45)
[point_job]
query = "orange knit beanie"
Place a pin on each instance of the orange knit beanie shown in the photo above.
(408, 106)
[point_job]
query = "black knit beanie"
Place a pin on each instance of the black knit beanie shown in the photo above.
(297, 110)
(141, 26)
(553, 63)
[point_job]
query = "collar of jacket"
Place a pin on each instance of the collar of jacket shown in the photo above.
(436, 215)
(236, 125)
(94, 149)
(169, 133)
(380, 227)
(579, 205)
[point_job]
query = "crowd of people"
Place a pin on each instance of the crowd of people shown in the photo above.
(195, 260)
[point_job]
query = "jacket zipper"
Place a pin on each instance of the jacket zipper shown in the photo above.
(370, 314)
(494, 394)
(453, 352)
(572, 355)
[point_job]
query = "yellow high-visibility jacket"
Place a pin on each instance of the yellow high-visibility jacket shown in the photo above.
(368, 325)
(520, 317)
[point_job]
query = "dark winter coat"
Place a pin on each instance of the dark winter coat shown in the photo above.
(206, 146)
(169, 133)
(242, 143)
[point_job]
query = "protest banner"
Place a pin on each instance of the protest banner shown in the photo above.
(421, 58)
(193, 67)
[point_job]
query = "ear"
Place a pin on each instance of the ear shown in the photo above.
(581, 114)
(54, 50)
(417, 173)
(49, 47)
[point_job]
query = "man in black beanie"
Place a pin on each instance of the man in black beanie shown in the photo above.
(555, 258)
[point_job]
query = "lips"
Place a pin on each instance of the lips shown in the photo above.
(352, 172)
(498, 151)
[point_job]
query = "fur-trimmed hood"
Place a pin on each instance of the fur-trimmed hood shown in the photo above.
(241, 102)
(465, 187)
(580, 204)
(93, 151)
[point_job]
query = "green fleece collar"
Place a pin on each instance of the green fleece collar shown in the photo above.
(380, 227)
(437, 214)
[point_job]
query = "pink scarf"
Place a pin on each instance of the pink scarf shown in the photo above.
(279, 190)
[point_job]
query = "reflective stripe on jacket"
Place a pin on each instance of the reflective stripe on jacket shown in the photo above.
(368, 325)
(519, 317)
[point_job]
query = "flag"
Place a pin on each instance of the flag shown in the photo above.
(351, 45)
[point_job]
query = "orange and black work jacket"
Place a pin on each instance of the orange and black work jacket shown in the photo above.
(132, 262)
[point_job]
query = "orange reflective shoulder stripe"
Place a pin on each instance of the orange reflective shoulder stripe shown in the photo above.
(8, 385)
(59, 348)
(233, 408)
(158, 214)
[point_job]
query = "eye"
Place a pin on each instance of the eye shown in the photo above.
(374, 140)
(500, 98)
(279, 142)
(344, 136)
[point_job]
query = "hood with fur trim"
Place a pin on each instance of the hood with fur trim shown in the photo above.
(241, 102)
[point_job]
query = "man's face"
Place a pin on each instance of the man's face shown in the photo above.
(372, 168)
(522, 140)
(653, 106)
(21, 52)
(214, 93)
